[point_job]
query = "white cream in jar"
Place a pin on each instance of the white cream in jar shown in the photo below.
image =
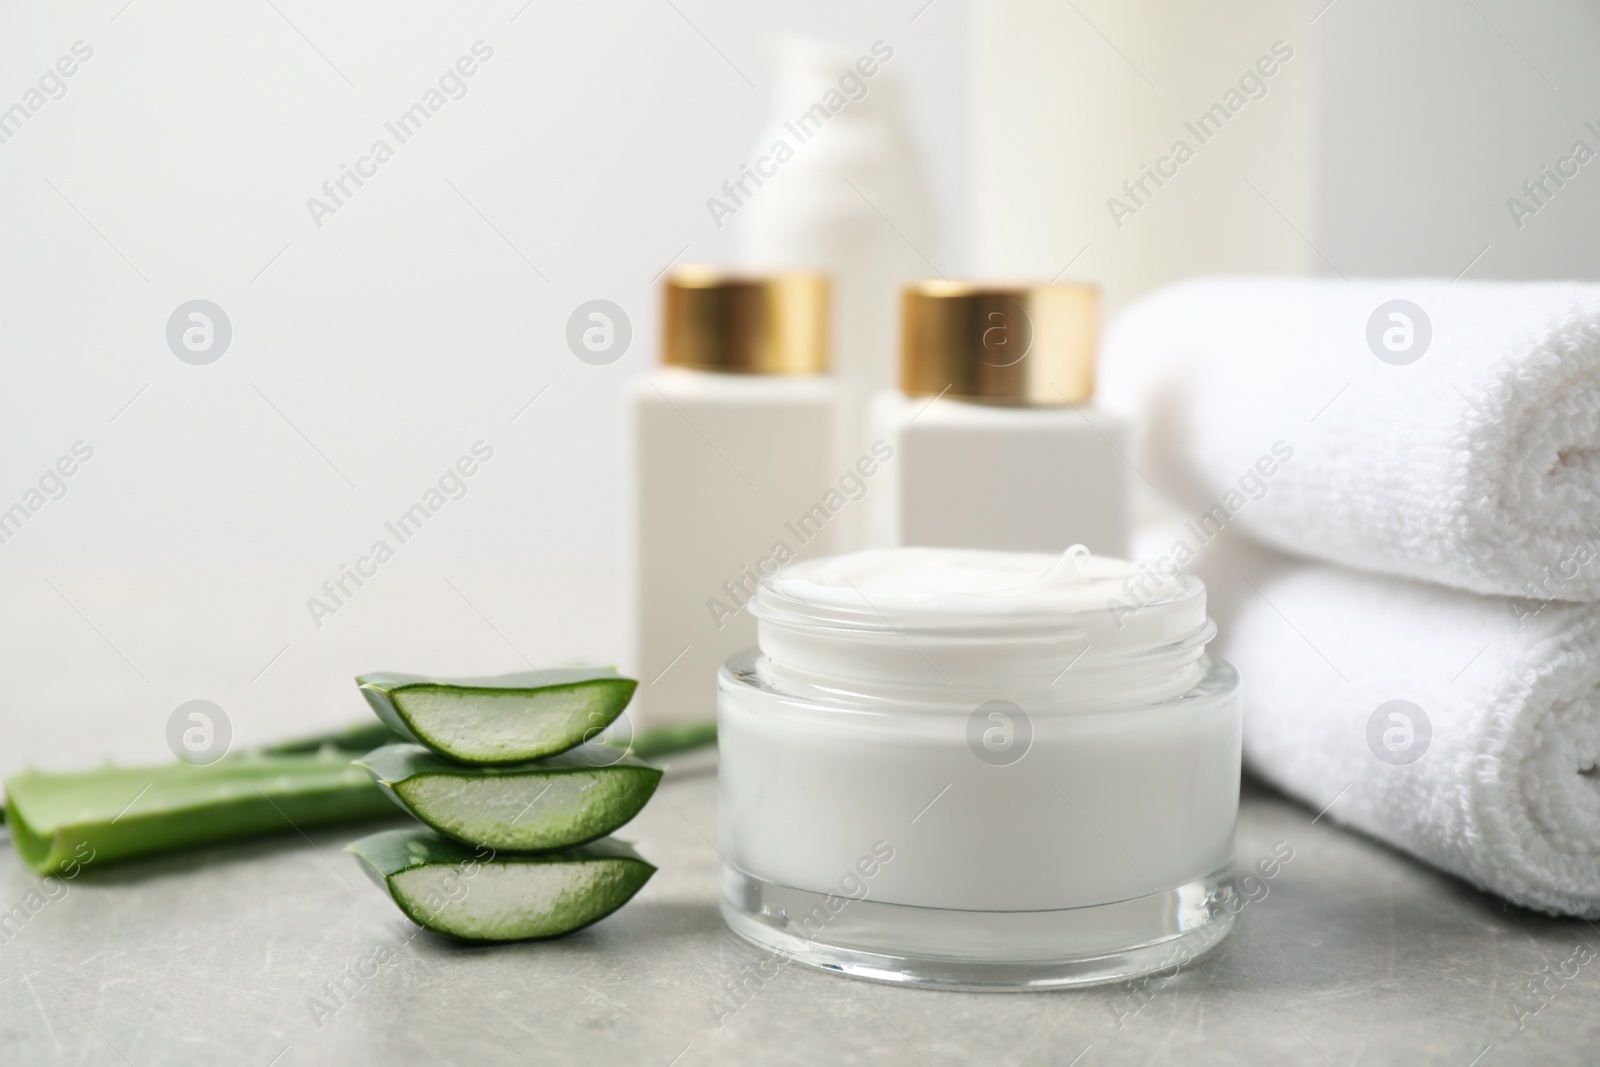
(979, 769)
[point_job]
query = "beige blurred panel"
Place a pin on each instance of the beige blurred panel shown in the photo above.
(1073, 100)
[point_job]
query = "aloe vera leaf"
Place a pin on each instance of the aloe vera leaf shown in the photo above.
(508, 718)
(59, 820)
(355, 739)
(557, 802)
(479, 895)
(670, 740)
(357, 800)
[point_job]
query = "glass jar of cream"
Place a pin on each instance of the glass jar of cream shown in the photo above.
(977, 769)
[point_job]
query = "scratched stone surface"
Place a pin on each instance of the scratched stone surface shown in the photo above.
(269, 953)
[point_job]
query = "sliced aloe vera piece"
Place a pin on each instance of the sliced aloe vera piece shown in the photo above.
(508, 718)
(478, 895)
(63, 820)
(560, 801)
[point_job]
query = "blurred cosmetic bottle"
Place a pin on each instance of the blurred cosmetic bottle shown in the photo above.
(728, 453)
(995, 440)
(839, 188)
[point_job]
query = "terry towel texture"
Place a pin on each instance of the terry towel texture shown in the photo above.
(1505, 791)
(1476, 465)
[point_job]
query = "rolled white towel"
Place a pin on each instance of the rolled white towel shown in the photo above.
(1494, 779)
(1477, 464)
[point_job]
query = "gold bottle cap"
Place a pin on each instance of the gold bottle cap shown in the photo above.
(746, 324)
(999, 344)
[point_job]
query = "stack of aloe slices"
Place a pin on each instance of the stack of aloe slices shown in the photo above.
(517, 794)
(63, 821)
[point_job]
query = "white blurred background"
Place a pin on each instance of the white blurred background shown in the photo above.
(372, 351)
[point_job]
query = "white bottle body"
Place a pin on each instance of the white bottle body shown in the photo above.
(1022, 479)
(718, 469)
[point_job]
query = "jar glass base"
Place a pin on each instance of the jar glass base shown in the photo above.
(982, 951)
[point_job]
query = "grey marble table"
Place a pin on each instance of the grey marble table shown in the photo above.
(255, 953)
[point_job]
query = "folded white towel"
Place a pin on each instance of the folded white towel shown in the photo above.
(1476, 464)
(1494, 779)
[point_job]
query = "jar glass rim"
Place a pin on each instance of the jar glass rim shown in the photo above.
(955, 636)
(853, 610)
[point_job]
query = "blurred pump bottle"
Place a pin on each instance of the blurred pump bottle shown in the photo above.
(842, 192)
